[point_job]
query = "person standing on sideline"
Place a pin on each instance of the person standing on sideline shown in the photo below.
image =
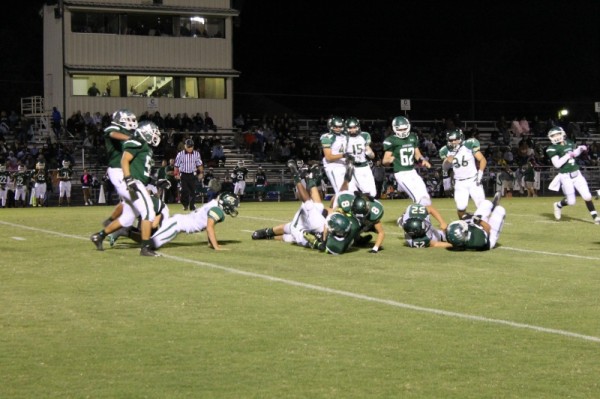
(86, 184)
(65, 174)
(188, 169)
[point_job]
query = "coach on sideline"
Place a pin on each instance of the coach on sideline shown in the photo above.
(188, 170)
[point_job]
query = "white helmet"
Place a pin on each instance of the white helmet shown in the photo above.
(557, 135)
(149, 132)
(401, 127)
(125, 119)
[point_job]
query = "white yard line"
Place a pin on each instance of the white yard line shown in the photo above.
(361, 297)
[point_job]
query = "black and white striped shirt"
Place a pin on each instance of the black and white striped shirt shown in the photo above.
(188, 162)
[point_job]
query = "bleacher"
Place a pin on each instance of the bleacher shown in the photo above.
(280, 184)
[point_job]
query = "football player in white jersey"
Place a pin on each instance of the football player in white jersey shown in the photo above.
(308, 219)
(204, 218)
(359, 152)
(468, 164)
(333, 144)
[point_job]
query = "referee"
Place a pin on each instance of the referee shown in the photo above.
(188, 170)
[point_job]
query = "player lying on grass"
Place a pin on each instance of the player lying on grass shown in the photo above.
(478, 232)
(309, 217)
(201, 219)
(418, 230)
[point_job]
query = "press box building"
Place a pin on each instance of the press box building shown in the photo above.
(171, 56)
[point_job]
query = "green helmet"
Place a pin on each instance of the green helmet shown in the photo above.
(337, 123)
(415, 227)
(229, 203)
(557, 135)
(360, 207)
(401, 127)
(352, 126)
(453, 135)
(457, 233)
(338, 224)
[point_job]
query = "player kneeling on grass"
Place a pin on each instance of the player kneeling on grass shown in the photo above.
(478, 232)
(204, 218)
(338, 235)
(418, 230)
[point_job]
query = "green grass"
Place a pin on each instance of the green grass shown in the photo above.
(272, 320)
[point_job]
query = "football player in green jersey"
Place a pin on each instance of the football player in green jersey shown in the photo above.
(402, 151)
(479, 232)
(562, 153)
(468, 164)
(4, 183)
(40, 178)
(136, 165)
(203, 218)
(338, 235)
(65, 174)
(122, 127)
(368, 212)
(162, 213)
(418, 230)
(21, 179)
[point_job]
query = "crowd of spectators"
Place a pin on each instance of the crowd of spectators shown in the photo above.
(277, 138)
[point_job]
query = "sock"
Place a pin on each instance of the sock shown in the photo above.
(590, 206)
(270, 233)
(146, 243)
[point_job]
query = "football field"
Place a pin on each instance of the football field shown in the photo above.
(266, 319)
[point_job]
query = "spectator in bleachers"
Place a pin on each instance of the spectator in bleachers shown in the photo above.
(13, 119)
(218, 154)
(209, 124)
(239, 123)
(198, 122)
(508, 155)
(524, 125)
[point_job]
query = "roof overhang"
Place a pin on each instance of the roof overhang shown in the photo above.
(106, 69)
(149, 8)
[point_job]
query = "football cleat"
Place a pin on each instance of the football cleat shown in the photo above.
(556, 211)
(97, 240)
(597, 220)
(261, 234)
(147, 251)
(496, 200)
(112, 240)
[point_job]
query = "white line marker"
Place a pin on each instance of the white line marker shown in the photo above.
(348, 294)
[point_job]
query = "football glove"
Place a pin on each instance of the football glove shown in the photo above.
(479, 177)
(131, 187)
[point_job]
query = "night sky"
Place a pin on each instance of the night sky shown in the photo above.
(493, 52)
